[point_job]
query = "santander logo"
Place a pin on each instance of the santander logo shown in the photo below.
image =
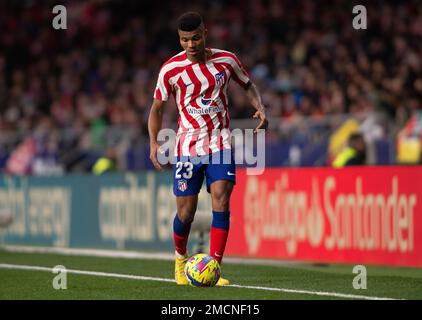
(323, 216)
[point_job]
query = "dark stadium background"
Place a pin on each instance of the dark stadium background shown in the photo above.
(85, 90)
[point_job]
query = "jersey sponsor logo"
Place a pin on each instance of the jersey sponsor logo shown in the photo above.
(182, 185)
(205, 101)
(210, 110)
(230, 173)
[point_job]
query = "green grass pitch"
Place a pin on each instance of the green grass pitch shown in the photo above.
(386, 282)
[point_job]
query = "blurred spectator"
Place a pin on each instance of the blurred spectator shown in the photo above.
(354, 154)
(106, 163)
(409, 141)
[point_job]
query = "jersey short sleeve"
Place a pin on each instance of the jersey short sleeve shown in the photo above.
(163, 88)
(240, 75)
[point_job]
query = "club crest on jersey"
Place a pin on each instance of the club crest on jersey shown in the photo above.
(219, 78)
(182, 185)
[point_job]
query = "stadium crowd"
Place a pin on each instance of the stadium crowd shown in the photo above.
(80, 91)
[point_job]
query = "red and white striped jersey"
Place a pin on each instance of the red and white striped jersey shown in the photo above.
(200, 93)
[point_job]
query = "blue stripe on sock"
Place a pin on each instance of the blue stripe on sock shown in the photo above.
(221, 220)
(179, 227)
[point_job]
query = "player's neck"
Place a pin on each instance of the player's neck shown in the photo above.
(200, 58)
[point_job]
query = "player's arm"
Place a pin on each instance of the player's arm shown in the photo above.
(155, 121)
(242, 78)
(256, 100)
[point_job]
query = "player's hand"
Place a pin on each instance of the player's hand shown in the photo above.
(263, 124)
(155, 147)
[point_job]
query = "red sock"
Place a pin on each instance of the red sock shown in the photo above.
(180, 243)
(218, 239)
(180, 235)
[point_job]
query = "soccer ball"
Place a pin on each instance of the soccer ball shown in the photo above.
(202, 270)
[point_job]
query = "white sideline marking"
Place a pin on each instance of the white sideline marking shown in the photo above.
(127, 254)
(90, 252)
(316, 293)
(134, 277)
(82, 272)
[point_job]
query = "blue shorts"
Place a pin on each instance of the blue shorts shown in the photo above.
(189, 172)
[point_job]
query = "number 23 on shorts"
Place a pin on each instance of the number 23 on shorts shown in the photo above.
(188, 172)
